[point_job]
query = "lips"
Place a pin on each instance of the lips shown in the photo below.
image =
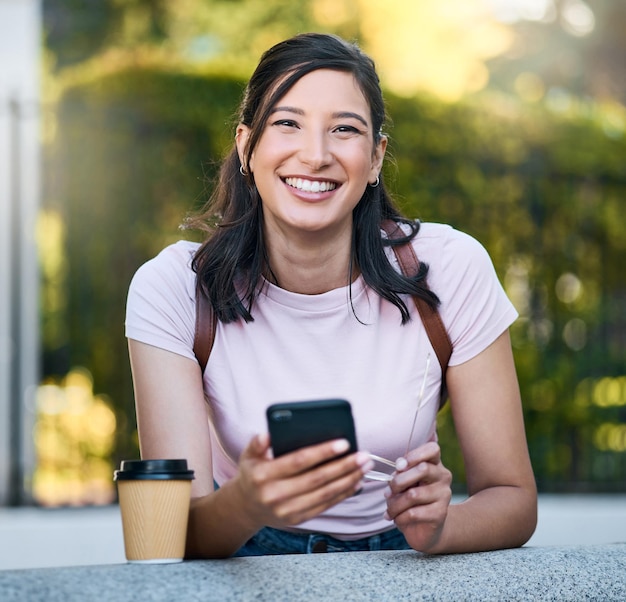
(310, 185)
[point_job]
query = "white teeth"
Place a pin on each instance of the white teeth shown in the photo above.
(310, 186)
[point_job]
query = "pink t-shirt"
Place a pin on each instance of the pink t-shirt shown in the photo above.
(313, 347)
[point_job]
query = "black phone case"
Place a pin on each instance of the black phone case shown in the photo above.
(300, 423)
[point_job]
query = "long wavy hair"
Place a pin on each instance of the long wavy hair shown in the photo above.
(232, 261)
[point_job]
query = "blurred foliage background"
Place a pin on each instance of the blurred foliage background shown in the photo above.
(508, 121)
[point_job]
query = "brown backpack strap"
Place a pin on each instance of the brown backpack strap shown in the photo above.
(439, 339)
(206, 325)
(206, 320)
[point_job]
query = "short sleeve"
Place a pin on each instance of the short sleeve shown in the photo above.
(160, 308)
(474, 306)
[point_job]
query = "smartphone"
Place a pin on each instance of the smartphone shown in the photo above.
(297, 424)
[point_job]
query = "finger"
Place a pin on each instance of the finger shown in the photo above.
(421, 485)
(423, 503)
(297, 509)
(314, 480)
(354, 466)
(306, 458)
(321, 486)
(423, 473)
(409, 498)
(263, 442)
(257, 447)
(429, 452)
(422, 515)
(296, 487)
(290, 464)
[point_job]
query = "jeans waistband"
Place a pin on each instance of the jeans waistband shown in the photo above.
(269, 541)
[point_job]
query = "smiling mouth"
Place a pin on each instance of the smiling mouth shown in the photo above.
(310, 186)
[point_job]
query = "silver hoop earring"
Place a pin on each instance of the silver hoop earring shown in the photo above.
(242, 171)
(376, 183)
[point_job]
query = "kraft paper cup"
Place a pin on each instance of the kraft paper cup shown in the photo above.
(154, 498)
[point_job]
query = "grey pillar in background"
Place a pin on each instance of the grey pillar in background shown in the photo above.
(20, 39)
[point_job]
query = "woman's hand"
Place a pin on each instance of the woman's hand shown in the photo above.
(419, 496)
(294, 488)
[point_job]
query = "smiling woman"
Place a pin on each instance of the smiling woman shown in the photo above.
(309, 301)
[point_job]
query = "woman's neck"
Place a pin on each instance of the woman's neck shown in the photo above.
(308, 265)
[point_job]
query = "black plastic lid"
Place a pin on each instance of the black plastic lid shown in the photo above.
(153, 470)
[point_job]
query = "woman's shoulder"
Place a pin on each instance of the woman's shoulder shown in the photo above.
(442, 245)
(474, 306)
(160, 308)
(171, 268)
(180, 252)
(438, 236)
(176, 257)
(457, 261)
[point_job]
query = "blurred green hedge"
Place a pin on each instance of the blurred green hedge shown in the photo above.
(542, 189)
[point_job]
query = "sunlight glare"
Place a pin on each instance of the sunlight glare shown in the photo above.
(437, 46)
(577, 17)
(510, 11)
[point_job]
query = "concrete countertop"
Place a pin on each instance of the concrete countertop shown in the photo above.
(532, 573)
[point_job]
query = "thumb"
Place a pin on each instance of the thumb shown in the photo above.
(258, 447)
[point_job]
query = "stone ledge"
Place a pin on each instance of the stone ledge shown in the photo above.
(529, 573)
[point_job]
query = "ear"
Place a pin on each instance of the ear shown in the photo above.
(241, 140)
(377, 159)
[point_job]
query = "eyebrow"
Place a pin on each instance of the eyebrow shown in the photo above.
(338, 115)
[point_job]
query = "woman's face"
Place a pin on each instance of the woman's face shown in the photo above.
(315, 156)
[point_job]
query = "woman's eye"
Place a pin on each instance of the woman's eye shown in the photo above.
(347, 129)
(286, 123)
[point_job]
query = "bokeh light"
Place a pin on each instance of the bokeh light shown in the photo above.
(74, 439)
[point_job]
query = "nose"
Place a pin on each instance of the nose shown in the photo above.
(316, 150)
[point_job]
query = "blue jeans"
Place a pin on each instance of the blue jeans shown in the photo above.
(269, 541)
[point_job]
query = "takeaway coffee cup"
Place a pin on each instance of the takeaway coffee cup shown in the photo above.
(154, 500)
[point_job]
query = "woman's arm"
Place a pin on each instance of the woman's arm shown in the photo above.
(501, 510)
(172, 421)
